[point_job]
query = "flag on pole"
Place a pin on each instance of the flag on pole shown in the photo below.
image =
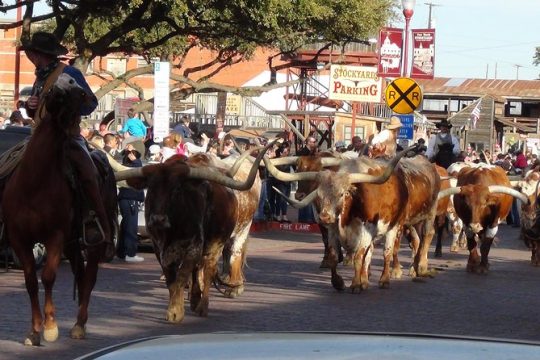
(475, 114)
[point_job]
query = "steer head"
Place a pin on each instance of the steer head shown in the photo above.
(530, 187)
(334, 195)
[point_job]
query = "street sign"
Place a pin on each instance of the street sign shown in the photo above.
(403, 95)
(407, 130)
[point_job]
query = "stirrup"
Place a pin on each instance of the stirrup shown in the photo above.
(92, 223)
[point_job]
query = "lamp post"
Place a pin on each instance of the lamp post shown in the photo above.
(408, 11)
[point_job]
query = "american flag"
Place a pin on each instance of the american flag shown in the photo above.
(475, 114)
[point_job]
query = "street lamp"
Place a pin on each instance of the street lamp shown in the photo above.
(408, 11)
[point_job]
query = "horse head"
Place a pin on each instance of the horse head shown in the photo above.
(64, 100)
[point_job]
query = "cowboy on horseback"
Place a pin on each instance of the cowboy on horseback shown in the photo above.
(43, 51)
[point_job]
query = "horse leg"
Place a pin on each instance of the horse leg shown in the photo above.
(48, 277)
(86, 279)
(26, 257)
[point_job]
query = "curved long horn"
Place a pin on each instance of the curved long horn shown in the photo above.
(379, 179)
(286, 160)
(284, 176)
(448, 192)
(298, 204)
(203, 173)
(115, 165)
(234, 169)
(509, 191)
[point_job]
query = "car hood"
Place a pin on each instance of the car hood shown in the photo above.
(315, 346)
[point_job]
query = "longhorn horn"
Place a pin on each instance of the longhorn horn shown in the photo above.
(379, 179)
(115, 165)
(509, 191)
(448, 192)
(284, 176)
(201, 173)
(330, 161)
(246, 154)
(298, 204)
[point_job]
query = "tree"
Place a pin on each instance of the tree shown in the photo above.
(536, 59)
(169, 29)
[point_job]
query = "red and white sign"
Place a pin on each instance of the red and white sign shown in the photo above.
(390, 50)
(354, 83)
(423, 53)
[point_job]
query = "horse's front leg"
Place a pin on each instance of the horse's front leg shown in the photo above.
(26, 257)
(48, 277)
(86, 280)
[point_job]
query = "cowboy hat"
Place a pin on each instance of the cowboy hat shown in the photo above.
(46, 43)
(395, 123)
(443, 123)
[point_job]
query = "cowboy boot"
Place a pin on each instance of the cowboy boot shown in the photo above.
(96, 227)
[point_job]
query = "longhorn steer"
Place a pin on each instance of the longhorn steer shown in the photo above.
(362, 212)
(191, 220)
(483, 197)
(315, 163)
(530, 213)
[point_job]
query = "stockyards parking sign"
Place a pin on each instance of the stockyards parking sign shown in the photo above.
(355, 83)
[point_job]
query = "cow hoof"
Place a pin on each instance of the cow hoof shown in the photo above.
(384, 284)
(174, 316)
(51, 334)
(348, 260)
(234, 291)
(454, 249)
(358, 288)
(338, 283)
(396, 273)
(324, 264)
(77, 332)
(202, 308)
(32, 339)
(412, 272)
(482, 270)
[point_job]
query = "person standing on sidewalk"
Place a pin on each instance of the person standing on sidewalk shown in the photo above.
(128, 201)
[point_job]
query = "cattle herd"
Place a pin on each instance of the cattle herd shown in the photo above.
(358, 203)
(199, 210)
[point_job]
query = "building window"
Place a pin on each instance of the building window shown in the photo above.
(435, 105)
(358, 131)
(117, 65)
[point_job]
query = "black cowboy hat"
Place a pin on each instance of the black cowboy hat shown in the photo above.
(443, 123)
(45, 43)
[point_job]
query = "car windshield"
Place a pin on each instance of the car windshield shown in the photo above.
(395, 211)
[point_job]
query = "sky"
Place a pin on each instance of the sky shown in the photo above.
(475, 38)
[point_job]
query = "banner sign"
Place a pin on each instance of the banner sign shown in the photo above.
(233, 104)
(407, 130)
(391, 44)
(162, 72)
(423, 53)
(354, 83)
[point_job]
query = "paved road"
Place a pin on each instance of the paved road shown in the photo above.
(287, 291)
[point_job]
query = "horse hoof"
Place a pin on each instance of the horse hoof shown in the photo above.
(77, 332)
(32, 339)
(50, 335)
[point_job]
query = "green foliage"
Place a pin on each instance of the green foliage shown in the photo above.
(168, 29)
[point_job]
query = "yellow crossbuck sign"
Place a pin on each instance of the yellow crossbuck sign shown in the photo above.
(403, 95)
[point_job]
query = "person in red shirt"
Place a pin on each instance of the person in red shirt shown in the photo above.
(521, 161)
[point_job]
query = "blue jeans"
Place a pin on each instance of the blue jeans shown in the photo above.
(129, 226)
(259, 215)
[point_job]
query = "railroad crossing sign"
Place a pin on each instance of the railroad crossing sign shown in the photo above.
(403, 95)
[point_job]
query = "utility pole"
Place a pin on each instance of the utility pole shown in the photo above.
(430, 4)
(517, 70)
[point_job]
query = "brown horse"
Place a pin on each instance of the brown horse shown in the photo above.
(39, 204)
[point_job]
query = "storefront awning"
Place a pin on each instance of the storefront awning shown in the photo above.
(518, 126)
